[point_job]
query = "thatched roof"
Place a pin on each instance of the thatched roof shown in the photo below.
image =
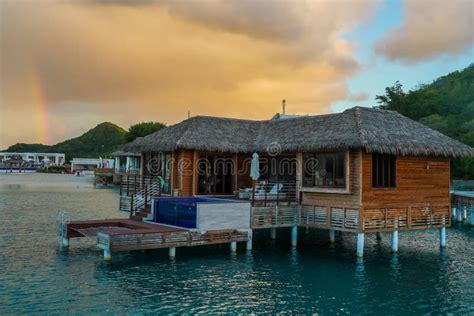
(371, 129)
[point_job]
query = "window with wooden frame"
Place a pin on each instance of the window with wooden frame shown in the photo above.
(384, 171)
(324, 170)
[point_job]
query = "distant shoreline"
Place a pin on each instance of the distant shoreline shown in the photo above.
(46, 180)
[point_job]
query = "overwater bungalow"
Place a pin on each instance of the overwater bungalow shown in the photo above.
(364, 170)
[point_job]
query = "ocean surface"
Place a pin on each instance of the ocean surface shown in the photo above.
(317, 277)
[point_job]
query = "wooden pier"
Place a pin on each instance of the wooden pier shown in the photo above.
(125, 235)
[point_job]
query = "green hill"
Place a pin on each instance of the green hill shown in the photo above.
(99, 141)
(446, 104)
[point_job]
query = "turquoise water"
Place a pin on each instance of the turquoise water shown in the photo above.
(35, 277)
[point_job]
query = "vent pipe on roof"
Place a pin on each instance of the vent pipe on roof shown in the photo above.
(283, 104)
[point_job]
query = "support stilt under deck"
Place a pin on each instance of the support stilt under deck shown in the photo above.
(233, 246)
(459, 216)
(273, 233)
(294, 236)
(172, 252)
(464, 213)
(395, 241)
(453, 213)
(249, 244)
(107, 255)
(360, 244)
(65, 242)
(442, 237)
(332, 235)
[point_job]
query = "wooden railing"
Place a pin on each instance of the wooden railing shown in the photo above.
(131, 183)
(136, 192)
(334, 217)
(405, 217)
(352, 218)
(265, 193)
(274, 216)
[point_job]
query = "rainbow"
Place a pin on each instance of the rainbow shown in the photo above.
(39, 101)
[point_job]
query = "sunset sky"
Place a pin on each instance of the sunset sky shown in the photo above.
(68, 65)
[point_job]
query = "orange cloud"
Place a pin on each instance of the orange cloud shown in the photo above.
(157, 60)
(430, 29)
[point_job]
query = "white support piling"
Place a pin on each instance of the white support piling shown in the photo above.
(172, 252)
(294, 236)
(273, 233)
(453, 213)
(360, 244)
(233, 246)
(464, 213)
(442, 237)
(332, 235)
(395, 241)
(65, 242)
(472, 217)
(107, 255)
(249, 244)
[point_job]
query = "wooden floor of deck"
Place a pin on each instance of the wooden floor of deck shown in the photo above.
(122, 226)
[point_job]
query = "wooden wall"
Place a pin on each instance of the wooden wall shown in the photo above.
(419, 180)
(351, 198)
(183, 168)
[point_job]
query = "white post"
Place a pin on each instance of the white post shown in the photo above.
(233, 246)
(172, 252)
(395, 241)
(332, 235)
(464, 213)
(249, 242)
(453, 213)
(107, 255)
(472, 217)
(360, 244)
(294, 236)
(442, 237)
(65, 242)
(273, 233)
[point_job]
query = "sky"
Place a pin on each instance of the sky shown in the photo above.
(66, 66)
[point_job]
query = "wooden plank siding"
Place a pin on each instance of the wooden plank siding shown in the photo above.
(349, 199)
(419, 180)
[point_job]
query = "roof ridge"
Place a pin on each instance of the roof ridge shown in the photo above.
(358, 123)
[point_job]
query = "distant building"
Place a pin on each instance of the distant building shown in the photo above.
(89, 164)
(57, 159)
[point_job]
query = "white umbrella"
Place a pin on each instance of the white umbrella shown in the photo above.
(101, 162)
(255, 167)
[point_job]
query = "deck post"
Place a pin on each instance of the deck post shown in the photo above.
(442, 237)
(172, 252)
(464, 213)
(453, 213)
(273, 233)
(65, 242)
(233, 246)
(332, 235)
(249, 242)
(107, 255)
(360, 244)
(395, 241)
(294, 236)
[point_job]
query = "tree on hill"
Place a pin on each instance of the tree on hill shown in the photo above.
(446, 105)
(142, 129)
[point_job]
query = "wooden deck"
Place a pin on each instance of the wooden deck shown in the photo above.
(125, 234)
